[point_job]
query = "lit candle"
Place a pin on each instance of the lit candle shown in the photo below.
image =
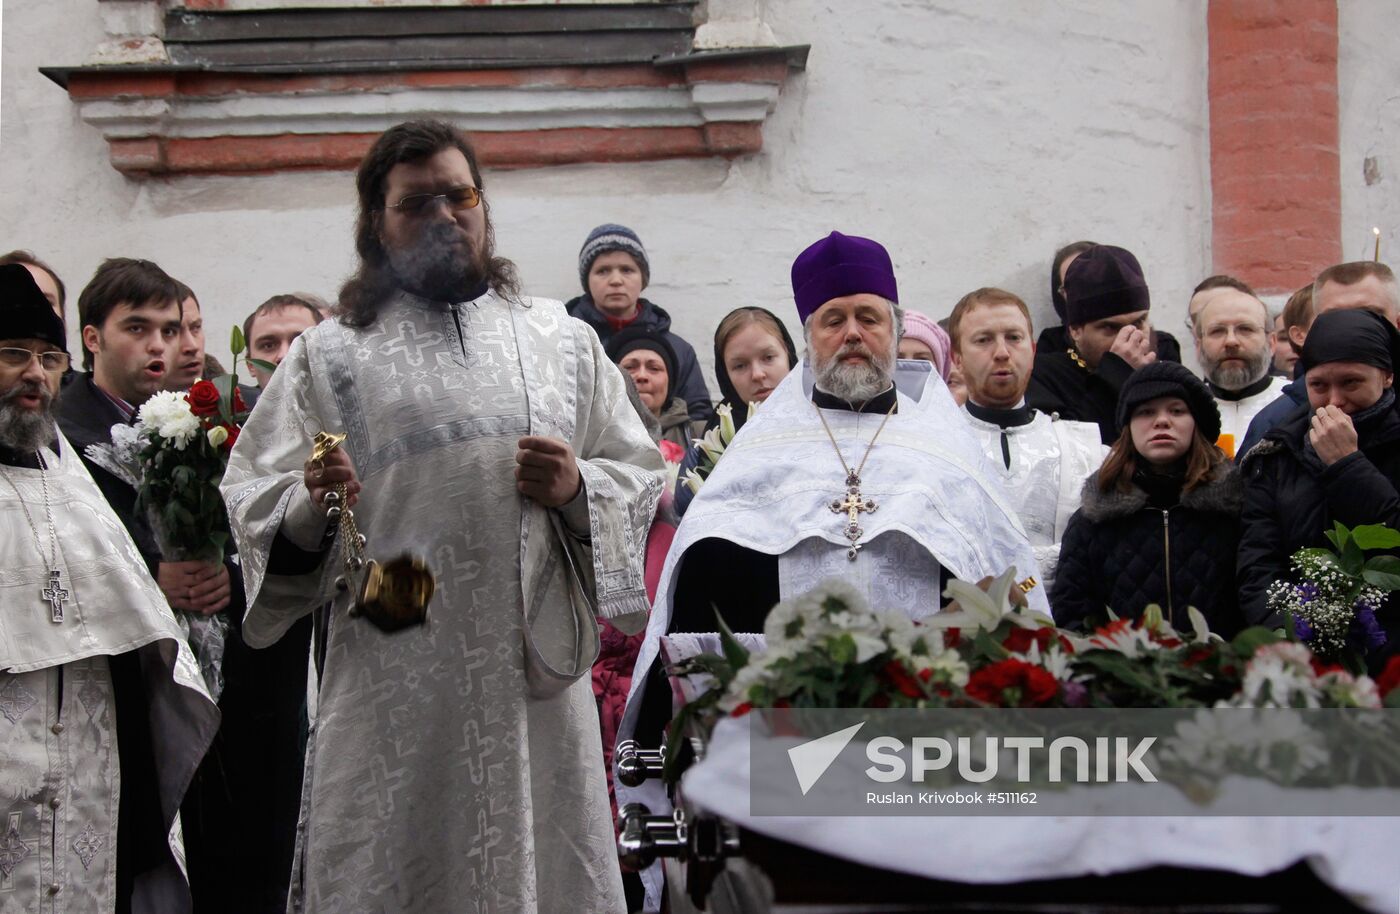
(1378, 243)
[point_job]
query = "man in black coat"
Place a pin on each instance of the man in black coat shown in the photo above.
(1338, 460)
(1106, 316)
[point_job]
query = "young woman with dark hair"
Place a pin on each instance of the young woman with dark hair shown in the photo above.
(1160, 520)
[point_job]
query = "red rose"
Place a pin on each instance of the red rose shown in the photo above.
(741, 709)
(238, 405)
(1390, 677)
(951, 637)
(1013, 683)
(233, 431)
(203, 398)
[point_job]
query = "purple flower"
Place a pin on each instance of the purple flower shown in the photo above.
(1307, 592)
(1302, 629)
(1075, 694)
(1366, 629)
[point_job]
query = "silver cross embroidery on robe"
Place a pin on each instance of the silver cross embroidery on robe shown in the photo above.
(852, 506)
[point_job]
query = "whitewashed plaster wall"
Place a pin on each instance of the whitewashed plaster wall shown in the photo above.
(1369, 75)
(970, 138)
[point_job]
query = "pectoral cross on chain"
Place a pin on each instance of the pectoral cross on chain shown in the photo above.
(56, 596)
(851, 506)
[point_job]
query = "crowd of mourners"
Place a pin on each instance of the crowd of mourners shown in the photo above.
(1137, 481)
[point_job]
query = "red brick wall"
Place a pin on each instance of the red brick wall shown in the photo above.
(1275, 173)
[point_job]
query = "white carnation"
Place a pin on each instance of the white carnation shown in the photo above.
(168, 415)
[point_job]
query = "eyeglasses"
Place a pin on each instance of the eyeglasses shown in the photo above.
(458, 198)
(14, 357)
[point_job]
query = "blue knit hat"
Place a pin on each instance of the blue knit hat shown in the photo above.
(607, 238)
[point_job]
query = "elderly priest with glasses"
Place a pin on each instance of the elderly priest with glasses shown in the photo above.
(105, 716)
(858, 466)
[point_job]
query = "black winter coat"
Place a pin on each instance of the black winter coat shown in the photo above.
(1290, 504)
(1121, 553)
(689, 382)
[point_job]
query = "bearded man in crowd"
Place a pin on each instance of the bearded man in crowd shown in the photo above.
(1232, 343)
(454, 764)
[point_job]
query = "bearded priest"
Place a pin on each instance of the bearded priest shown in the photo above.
(850, 469)
(103, 712)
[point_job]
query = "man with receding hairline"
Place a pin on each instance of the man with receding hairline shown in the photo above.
(1232, 344)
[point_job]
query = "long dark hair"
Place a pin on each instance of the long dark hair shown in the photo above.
(373, 281)
(1122, 462)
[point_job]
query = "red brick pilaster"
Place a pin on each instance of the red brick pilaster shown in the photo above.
(1275, 171)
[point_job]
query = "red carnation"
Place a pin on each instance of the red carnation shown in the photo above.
(899, 677)
(203, 398)
(1013, 683)
(1021, 639)
(1390, 677)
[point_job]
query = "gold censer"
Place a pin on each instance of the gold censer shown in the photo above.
(393, 595)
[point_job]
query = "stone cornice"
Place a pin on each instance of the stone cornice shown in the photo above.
(177, 116)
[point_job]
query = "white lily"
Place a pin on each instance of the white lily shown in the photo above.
(980, 609)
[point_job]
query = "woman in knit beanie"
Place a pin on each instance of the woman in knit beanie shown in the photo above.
(1159, 522)
(924, 339)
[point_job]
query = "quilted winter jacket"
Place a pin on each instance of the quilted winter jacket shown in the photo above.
(1120, 552)
(1289, 505)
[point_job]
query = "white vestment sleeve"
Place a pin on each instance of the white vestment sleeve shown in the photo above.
(263, 489)
(623, 474)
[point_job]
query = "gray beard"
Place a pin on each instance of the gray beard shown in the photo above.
(22, 430)
(435, 267)
(853, 383)
(1240, 378)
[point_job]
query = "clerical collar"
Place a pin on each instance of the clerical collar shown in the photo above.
(1004, 418)
(1258, 386)
(28, 460)
(881, 403)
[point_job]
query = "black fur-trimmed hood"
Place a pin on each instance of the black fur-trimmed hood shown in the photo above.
(1223, 493)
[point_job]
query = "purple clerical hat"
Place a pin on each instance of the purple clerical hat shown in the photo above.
(841, 265)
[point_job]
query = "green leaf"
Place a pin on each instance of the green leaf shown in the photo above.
(236, 342)
(1353, 559)
(1253, 638)
(1385, 580)
(224, 383)
(734, 652)
(1376, 536)
(263, 364)
(1392, 700)
(1339, 536)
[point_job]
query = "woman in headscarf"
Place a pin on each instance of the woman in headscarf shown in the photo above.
(1159, 522)
(753, 353)
(647, 357)
(1335, 459)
